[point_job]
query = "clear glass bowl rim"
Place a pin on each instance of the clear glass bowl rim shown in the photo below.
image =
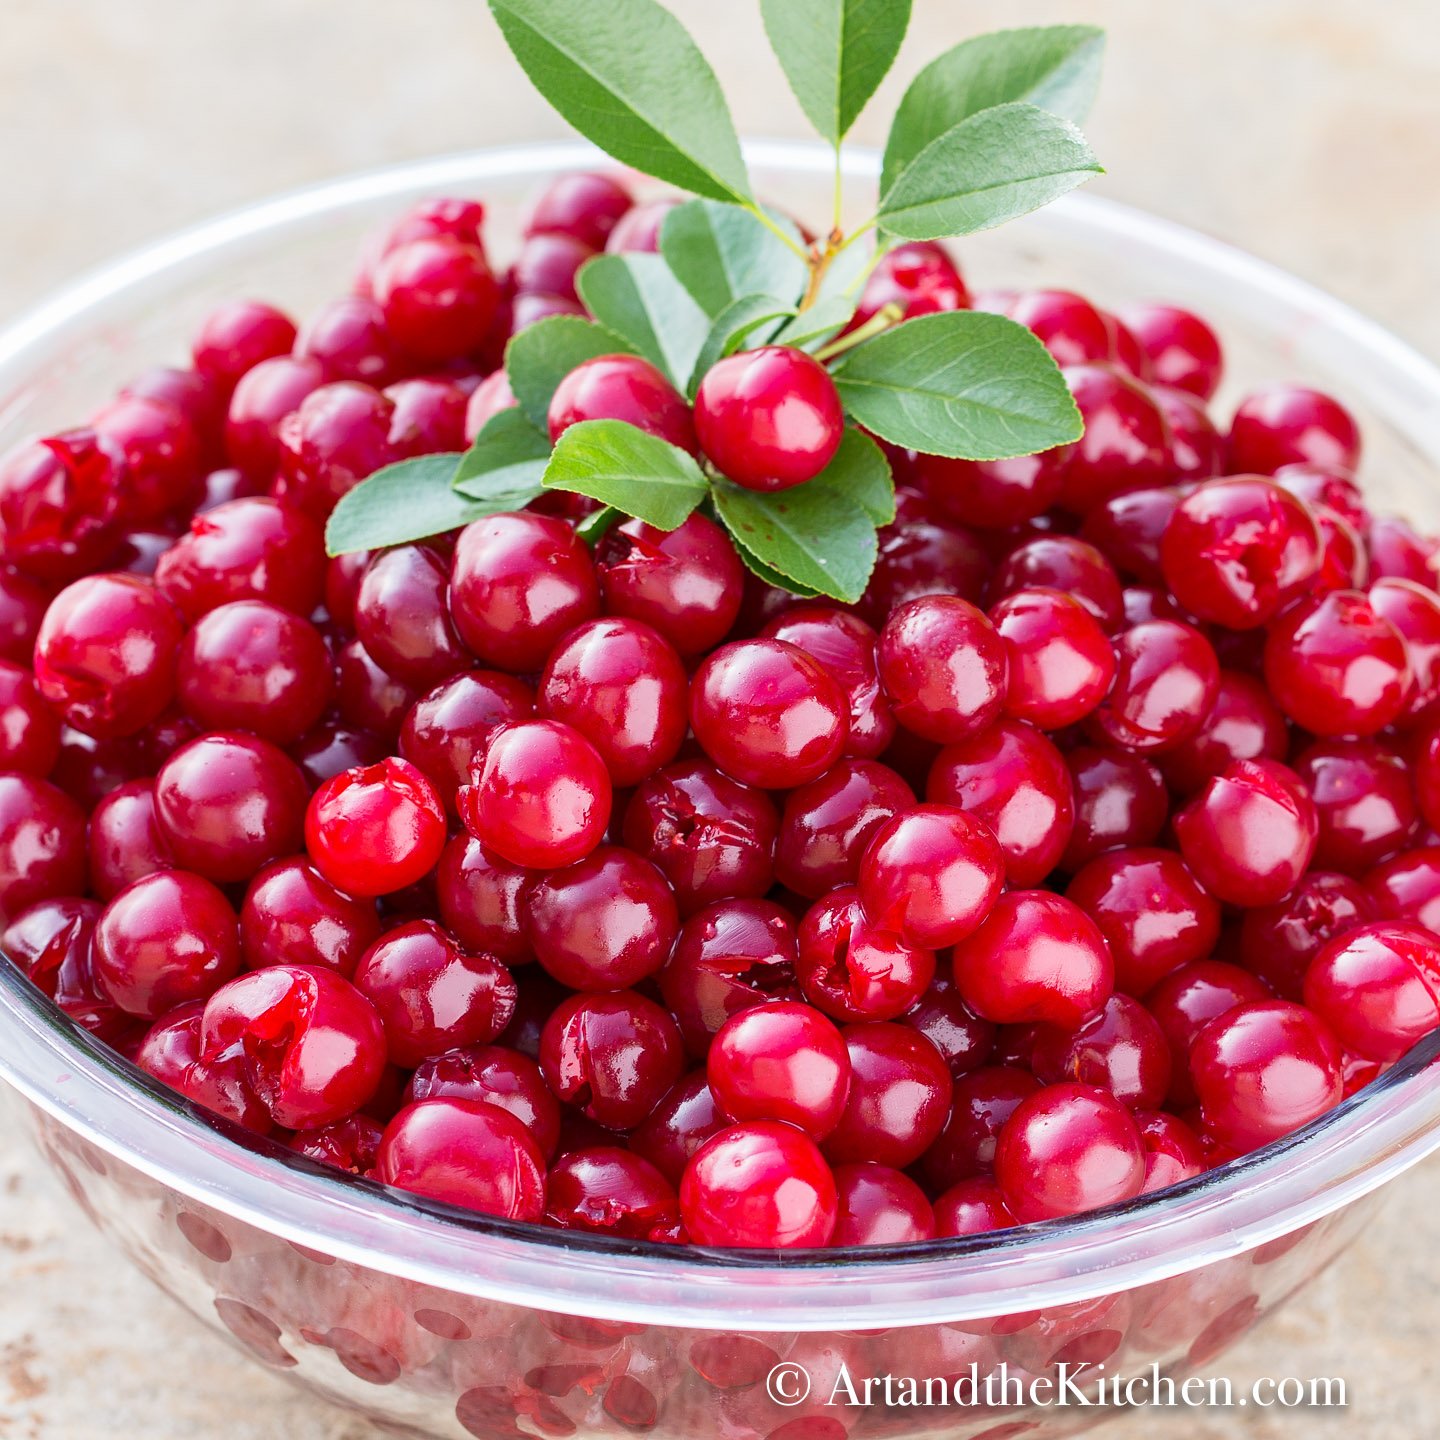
(85, 1087)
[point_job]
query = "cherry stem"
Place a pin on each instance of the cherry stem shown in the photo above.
(882, 319)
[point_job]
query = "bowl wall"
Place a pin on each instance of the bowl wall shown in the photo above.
(457, 1329)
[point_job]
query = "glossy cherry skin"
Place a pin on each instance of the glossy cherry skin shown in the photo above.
(1064, 563)
(611, 1056)
(964, 1041)
(877, 1205)
(265, 396)
(1173, 1151)
(828, 823)
(292, 915)
(972, 1207)
(1153, 913)
(1166, 679)
(898, 1100)
(468, 1153)
(60, 504)
(429, 416)
(1376, 987)
(924, 556)
(605, 1190)
(1182, 349)
(919, 277)
(448, 728)
(253, 666)
(167, 939)
(767, 714)
(854, 971)
(438, 297)
(1407, 887)
(1119, 800)
(162, 456)
(1238, 551)
(248, 549)
(479, 898)
(29, 728)
(402, 617)
(1244, 723)
(1250, 835)
(42, 843)
(376, 829)
(1120, 1049)
(687, 583)
(1129, 528)
(844, 645)
(540, 795)
(992, 494)
(349, 339)
(1278, 942)
(1067, 1149)
(622, 387)
(1038, 957)
(125, 842)
(780, 1061)
(309, 1043)
(711, 836)
(329, 749)
(1013, 780)
(227, 803)
(351, 1145)
(1291, 425)
(729, 956)
(1126, 444)
(1398, 552)
(682, 1122)
(498, 1075)
(1364, 801)
(338, 437)
(1337, 667)
(1414, 611)
(582, 204)
(932, 875)
(760, 1185)
(981, 1103)
(236, 336)
(430, 995)
(769, 418)
(1186, 1000)
(1060, 661)
(1262, 1070)
(621, 684)
(105, 654)
(604, 923)
(23, 603)
(944, 668)
(520, 581)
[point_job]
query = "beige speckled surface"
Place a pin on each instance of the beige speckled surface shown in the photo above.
(1305, 130)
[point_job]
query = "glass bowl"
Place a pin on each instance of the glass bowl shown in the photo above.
(442, 1323)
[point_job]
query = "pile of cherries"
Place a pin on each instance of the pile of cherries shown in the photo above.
(618, 891)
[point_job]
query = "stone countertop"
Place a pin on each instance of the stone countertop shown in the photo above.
(1307, 131)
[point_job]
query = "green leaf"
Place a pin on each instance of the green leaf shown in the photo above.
(772, 576)
(597, 523)
(814, 534)
(543, 354)
(508, 455)
(734, 325)
(861, 472)
(628, 469)
(721, 252)
(963, 383)
(835, 53)
(404, 502)
(991, 168)
(627, 75)
(639, 298)
(820, 322)
(1055, 67)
